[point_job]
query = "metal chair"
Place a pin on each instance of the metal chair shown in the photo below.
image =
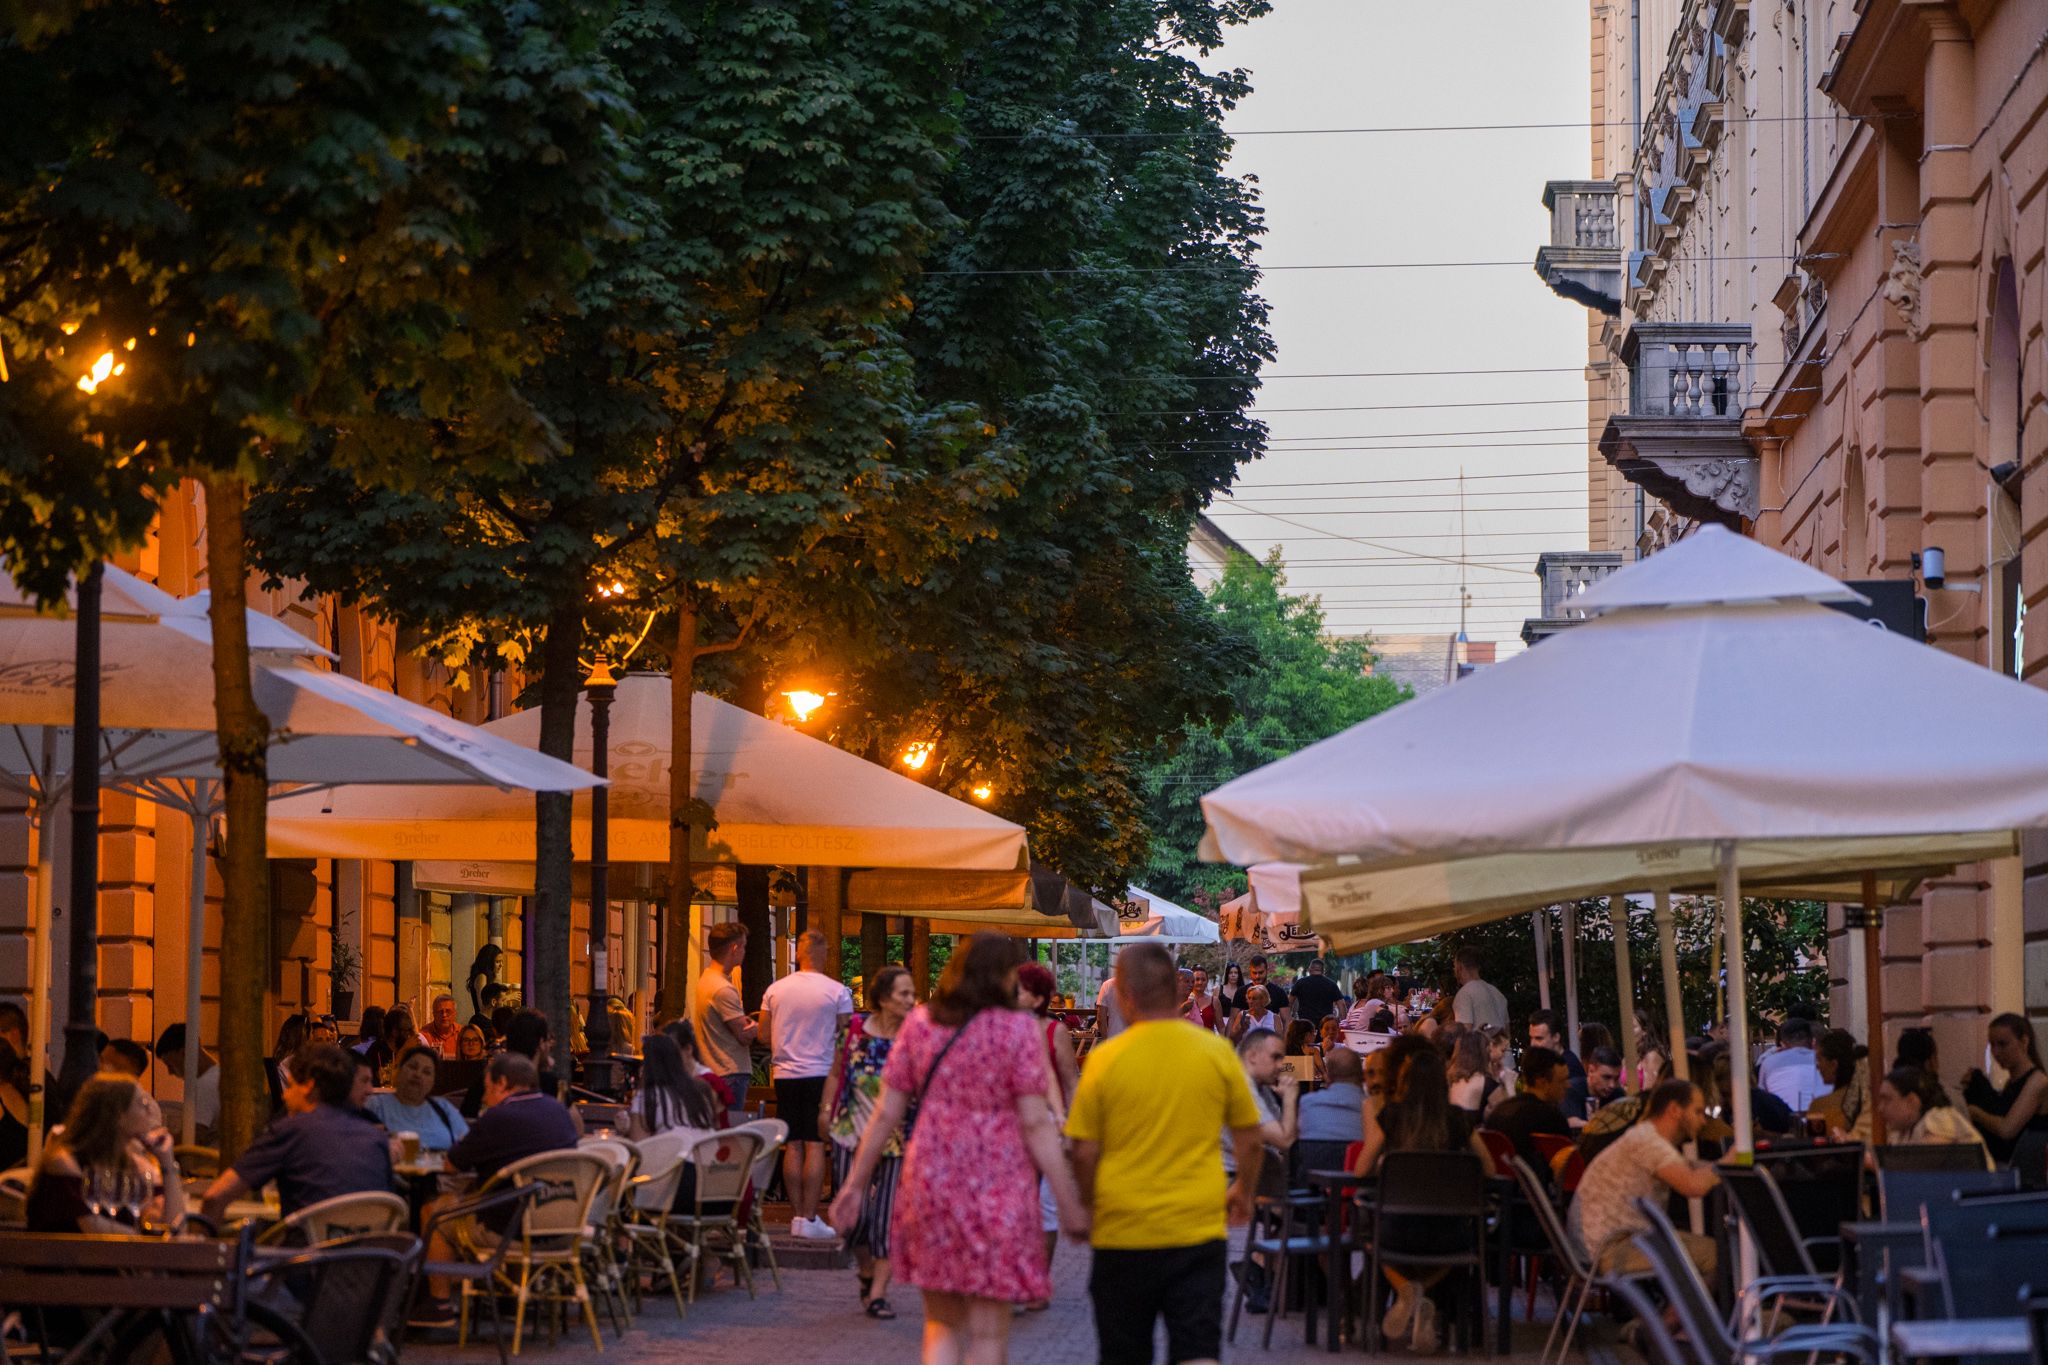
(1712, 1341)
(1784, 1257)
(546, 1250)
(482, 1256)
(774, 1136)
(347, 1297)
(725, 1167)
(1579, 1271)
(196, 1162)
(1442, 1187)
(2037, 1327)
(345, 1215)
(1282, 1244)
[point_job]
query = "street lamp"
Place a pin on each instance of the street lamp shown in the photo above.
(918, 753)
(804, 702)
(597, 1028)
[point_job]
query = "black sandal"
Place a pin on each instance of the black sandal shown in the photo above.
(879, 1308)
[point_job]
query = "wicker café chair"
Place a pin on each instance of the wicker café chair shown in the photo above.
(544, 1259)
(725, 1165)
(649, 1202)
(345, 1215)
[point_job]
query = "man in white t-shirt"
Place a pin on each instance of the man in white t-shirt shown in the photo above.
(1109, 1020)
(1644, 1163)
(1478, 1001)
(800, 1019)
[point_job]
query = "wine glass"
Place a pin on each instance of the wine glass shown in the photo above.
(96, 1192)
(134, 1195)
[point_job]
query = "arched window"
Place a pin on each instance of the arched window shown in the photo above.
(2008, 608)
(1855, 515)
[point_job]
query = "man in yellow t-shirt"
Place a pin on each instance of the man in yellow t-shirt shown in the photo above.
(1144, 1124)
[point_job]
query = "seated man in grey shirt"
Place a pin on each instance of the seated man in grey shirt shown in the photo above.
(1333, 1118)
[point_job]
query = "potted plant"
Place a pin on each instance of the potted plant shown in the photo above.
(342, 977)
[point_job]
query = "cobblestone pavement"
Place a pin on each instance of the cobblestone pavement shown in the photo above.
(817, 1318)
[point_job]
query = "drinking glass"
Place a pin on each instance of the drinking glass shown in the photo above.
(96, 1192)
(134, 1195)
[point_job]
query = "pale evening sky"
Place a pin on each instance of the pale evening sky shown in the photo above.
(1412, 197)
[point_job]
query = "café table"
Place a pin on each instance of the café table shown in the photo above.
(1950, 1338)
(1868, 1254)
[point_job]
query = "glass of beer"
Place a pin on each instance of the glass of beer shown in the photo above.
(409, 1148)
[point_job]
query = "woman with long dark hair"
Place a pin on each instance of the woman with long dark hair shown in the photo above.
(1916, 1109)
(483, 971)
(966, 1225)
(111, 1168)
(1419, 1118)
(2020, 1106)
(671, 1096)
(853, 1092)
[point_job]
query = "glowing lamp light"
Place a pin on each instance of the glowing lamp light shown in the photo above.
(918, 754)
(983, 792)
(102, 370)
(804, 702)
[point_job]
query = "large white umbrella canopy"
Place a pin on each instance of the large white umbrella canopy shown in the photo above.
(780, 797)
(157, 736)
(1714, 720)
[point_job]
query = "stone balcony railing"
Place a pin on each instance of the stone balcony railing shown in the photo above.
(1681, 438)
(1583, 261)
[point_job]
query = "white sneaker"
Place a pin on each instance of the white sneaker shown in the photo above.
(1423, 1334)
(818, 1230)
(799, 1227)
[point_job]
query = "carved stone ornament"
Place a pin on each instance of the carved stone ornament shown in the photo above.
(1902, 287)
(1730, 484)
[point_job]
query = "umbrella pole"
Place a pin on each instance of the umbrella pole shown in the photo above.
(1873, 1002)
(1571, 975)
(39, 978)
(1624, 990)
(1539, 923)
(1674, 998)
(195, 961)
(1738, 997)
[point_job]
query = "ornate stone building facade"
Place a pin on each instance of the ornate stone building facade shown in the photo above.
(1820, 322)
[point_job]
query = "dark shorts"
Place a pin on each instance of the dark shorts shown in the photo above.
(796, 1104)
(1133, 1289)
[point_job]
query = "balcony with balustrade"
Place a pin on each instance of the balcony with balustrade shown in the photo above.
(1681, 439)
(1583, 262)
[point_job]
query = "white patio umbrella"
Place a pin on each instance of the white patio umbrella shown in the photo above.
(1762, 737)
(158, 741)
(780, 796)
(156, 675)
(1242, 921)
(1144, 915)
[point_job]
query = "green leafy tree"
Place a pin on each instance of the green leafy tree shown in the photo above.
(1296, 685)
(1095, 301)
(318, 225)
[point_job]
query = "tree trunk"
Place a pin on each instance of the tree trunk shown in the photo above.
(244, 734)
(676, 939)
(561, 681)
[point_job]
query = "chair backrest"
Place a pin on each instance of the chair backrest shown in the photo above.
(347, 1296)
(657, 1152)
(1439, 1184)
(616, 1150)
(1655, 1341)
(568, 1183)
(1989, 1276)
(345, 1215)
(1572, 1171)
(1820, 1187)
(1760, 1205)
(1499, 1146)
(495, 1208)
(725, 1165)
(625, 1162)
(196, 1162)
(653, 1190)
(1959, 1218)
(1551, 1144)
(1930, 1156)
(1900, 1193)
(1562, 1244)
(1683, 1288)
(774, 1133)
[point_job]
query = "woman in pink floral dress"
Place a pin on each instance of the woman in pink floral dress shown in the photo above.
(968, 1074)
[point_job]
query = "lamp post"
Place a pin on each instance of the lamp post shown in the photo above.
(597, 1026)
(81, 1024)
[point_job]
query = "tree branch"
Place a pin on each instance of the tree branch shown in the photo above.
(727, 646)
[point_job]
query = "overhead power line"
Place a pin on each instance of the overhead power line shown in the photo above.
(1226, 267)
(1428, 478)
(1384, 129)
